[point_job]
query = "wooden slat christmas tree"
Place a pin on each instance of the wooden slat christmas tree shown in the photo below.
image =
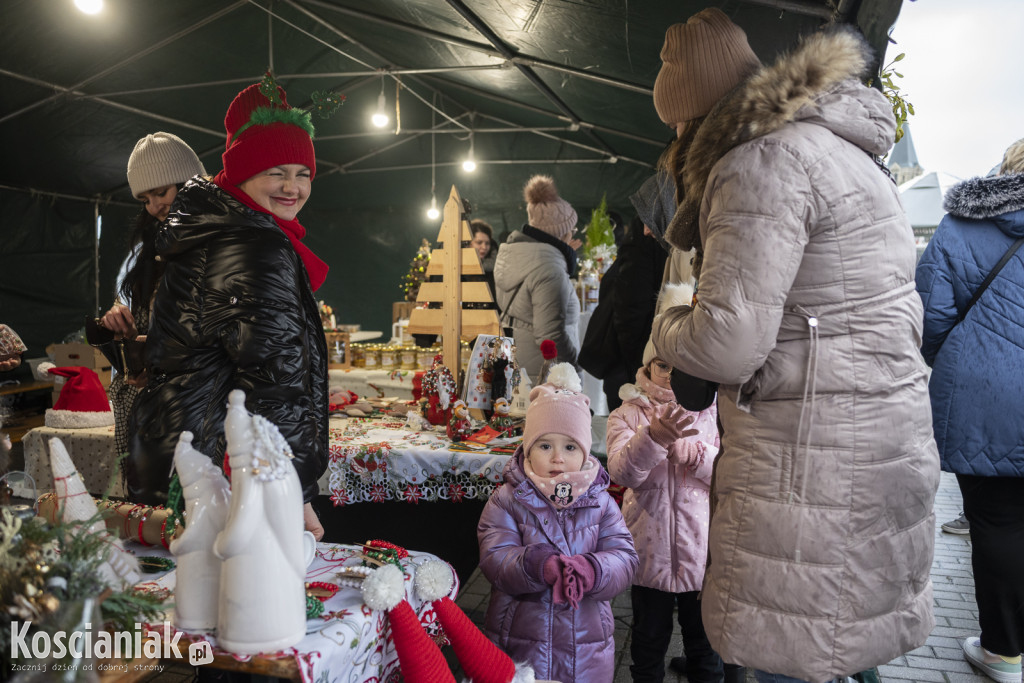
(451, 262)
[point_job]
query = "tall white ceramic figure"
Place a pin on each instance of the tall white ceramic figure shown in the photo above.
(262, 590)
(207, 496)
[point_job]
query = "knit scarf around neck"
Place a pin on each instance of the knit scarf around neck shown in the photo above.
(315, 266)
(567, 253)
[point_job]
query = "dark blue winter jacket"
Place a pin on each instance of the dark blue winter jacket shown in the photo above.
(977, 383)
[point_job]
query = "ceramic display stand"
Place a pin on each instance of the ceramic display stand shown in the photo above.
(262, 595)
(207, 497)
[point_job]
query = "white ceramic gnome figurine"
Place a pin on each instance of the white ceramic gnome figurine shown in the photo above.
(262, 587)
(207, 496)
(74, 504)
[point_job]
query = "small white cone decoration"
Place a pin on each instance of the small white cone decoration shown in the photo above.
(207, 497)
(262, 588)
(74, 504)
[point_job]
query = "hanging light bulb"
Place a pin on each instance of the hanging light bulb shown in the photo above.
(380, 116)
(469, 165)
(432, 213)
(89, 6)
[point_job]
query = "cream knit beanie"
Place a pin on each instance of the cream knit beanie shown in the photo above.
(702, 60)
(161, 159)
(545, 210)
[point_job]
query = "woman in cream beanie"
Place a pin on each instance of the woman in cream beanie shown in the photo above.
(158, 167)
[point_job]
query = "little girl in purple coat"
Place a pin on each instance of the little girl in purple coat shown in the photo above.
(663, 453)
(554, 545)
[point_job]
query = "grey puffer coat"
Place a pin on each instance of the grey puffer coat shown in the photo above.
(822, 536)
(562, 643)
(545, 306)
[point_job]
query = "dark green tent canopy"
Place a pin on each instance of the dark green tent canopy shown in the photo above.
(555, 86)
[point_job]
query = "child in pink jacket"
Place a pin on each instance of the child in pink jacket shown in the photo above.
(663, 453)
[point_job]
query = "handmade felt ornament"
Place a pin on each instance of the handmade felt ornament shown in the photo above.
(459, 425)
(439, 389)
(501, 420)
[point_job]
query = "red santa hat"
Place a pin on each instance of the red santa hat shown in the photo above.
(83, 402)
(420, 659)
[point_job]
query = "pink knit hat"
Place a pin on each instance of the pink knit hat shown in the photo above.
(558, 407)
(545, 210)
(702, 60)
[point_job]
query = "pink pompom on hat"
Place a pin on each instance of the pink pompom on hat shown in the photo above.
(545, 210)
(558, 407)
(83, 402)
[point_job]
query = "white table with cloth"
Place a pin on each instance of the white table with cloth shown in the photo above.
(348, 643)
(379, 459)
(368, 382)
(92, 450)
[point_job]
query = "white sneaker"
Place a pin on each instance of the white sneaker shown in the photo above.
(996, 667)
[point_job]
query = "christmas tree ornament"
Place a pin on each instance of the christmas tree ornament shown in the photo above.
(74, 505)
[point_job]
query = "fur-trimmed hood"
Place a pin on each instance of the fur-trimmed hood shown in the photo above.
(818, 82)
(989, 197)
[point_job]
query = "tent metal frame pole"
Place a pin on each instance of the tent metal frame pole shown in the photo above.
(125, 62)
(531, 75)
(496, 162)
(796, 7)
(479, 47)
(96, 254)
(545, 112)
(337, 31)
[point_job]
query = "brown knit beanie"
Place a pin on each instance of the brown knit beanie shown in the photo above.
(161, 159)
(702, 60)
(1013, 160)
(545, 210)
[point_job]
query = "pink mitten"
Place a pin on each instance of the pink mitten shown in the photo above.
(553, 575)
(577, 578)
(669, 423)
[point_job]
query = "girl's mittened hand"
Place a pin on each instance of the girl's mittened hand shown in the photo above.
(552, 570)
(670, 423)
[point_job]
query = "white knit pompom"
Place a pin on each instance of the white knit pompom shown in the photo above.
(42, 371)
(433, 580)
(384, 588)
(678, 294)
(563, 376)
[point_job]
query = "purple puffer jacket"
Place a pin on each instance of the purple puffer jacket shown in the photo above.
(561, 643)
(667, 503)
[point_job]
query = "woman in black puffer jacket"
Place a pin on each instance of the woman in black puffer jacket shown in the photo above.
(235, 308)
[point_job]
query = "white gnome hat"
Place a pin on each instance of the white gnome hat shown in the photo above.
(420, 659)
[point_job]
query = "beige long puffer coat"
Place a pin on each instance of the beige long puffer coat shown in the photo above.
(822, 536)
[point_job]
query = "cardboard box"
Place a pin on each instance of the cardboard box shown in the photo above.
(78, 353)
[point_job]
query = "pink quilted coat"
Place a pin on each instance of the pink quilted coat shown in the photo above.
(666, 504)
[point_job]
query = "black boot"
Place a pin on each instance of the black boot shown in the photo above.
(678, 665)
(735, 674)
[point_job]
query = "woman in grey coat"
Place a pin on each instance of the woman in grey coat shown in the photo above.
(822, 534)
(532, 274)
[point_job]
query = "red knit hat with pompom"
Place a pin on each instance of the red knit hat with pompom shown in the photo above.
(262, 134)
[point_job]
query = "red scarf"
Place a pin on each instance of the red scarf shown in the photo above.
(315, 266)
